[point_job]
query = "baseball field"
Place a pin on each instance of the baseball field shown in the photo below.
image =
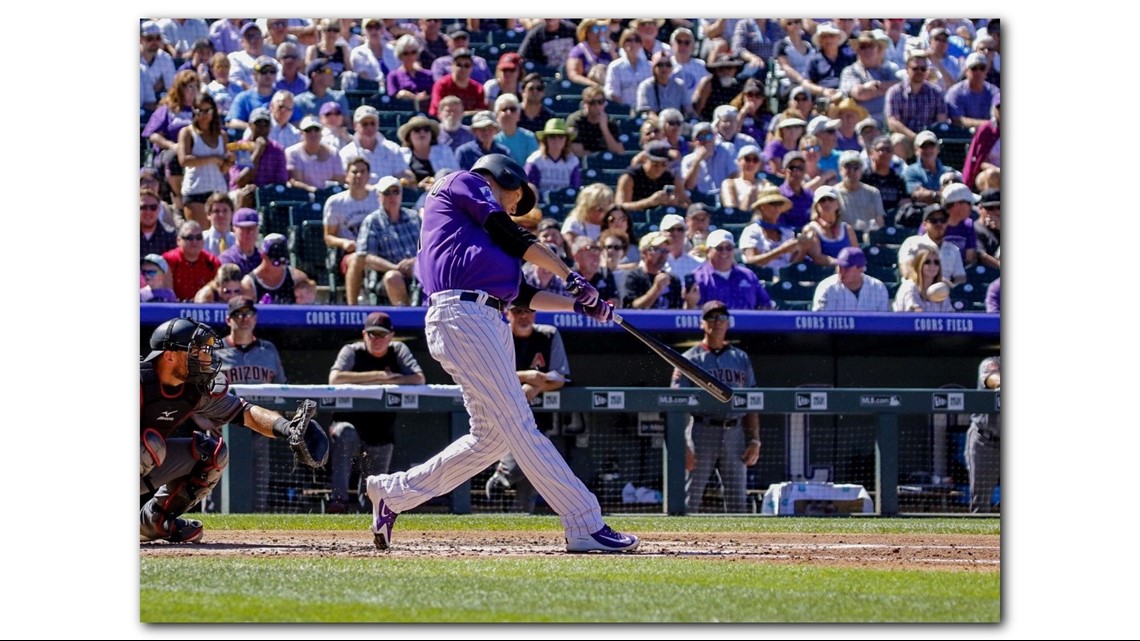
(506, 568)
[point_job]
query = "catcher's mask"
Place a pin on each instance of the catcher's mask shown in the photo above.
(192, 337)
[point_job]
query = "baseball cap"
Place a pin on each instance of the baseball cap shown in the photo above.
(798, 91)
(246, 217)
(791, 122)
(265, 63)
(316, 66)
(932, 209)
(365, 111)
(976, 59)
(456, 31)
(238, 303)
(748, 150)
(867, 122)
(697, 209)
(950, 176)
(658, 150)
(330, 108)
(248, 26)
(509, 61)
(825, 191)
(701, 128)
(821, 124)
(990, 198)
(939, 31)
(462, 52)
(851, 257)
(548, 223)
(725, 112)
(484, 119)
(669, 221)
(653, 239)
(309, 122)
(718, 237)
(261, 113)
(713, 307)
(957, 192)
(792, 155)
(386, 183)
(924, 137)
(378, 323)
(276, 247)
(157, 261)
(850, 157)
(150, 28)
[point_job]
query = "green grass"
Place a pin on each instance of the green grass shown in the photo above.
(563, 588)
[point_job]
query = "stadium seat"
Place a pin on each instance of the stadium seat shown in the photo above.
(981, 275)
(885, 273)
(889, 236)
(711, 199)
(969, 292)
(766, 274)
(323, 193)
(608, 160)
(505, 36)
(564, 87)
(388, 103)
(880, 255)
(728, 215)
(786, 291)
(547, 72)
(563, 105)
(302, 212)
(564, 197)
(270, 193)
(804, 272)
(307, 241)
(277, 215)
(618, 109)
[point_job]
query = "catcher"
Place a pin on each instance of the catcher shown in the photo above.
(179, 382)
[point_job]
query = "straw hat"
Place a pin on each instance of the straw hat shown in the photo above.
(772, 195)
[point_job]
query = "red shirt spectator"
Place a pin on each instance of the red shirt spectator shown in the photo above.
(458, 83)
(191, 267)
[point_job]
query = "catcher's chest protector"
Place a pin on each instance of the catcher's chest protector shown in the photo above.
(159, 411)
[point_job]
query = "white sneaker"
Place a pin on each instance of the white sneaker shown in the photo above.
(604, 540)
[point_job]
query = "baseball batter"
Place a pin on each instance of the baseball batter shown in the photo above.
(470, 266)
(727, 442)
(983, 443)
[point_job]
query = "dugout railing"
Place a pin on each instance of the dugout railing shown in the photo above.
(884, 407)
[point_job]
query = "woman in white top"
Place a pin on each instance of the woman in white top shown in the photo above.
(792, 51)
(742, 191)
(422, 151)
(765, 243)
(589, 212)
(552, 167)
(914, 291)
(202, 152)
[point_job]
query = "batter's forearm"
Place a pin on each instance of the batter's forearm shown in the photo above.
(550, 302)
(541, 255)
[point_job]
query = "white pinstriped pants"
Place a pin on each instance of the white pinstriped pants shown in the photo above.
(474, 345)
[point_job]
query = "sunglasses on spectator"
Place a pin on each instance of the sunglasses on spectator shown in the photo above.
(931, 262)
(267, 70)
(463, 66)
(536, 88)
(369, 123)
(723, 248)
(978, 68)
(708, 135)
(311, 130)
(684, 42)
(718, 318)
(882, 150)
(615, 248)
(373, 27)
(659, 250)
(796, 168)
(289, 56)
(421, 128)
(752, 159)
(278, 24)
(921, 69)
(800, 98)
(937, 220)
(663, 65)
(243, 313)
(673, 123)
(148, 207)
(192, 237)
(597, 101)
(152, 38)
(812, 148)
(600, 28)
(409, 53)
(991, 207)
(509, 109)
(392, 191)
(203, 110)
(150, 273)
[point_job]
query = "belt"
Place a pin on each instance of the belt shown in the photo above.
(489, 301)
(726, 423)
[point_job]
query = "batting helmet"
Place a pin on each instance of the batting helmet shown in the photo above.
(510, 176)
(192, 337)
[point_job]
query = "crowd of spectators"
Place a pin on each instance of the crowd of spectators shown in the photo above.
(785, 141)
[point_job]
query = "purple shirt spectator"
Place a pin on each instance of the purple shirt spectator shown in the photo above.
(961, 236)
(225, 36)
(167, 123)
(800, 213)
(741, 290)
(774, 150)
(401, 79)
(993, 297)
(456, 249)
(961, 102)
(582, 51)
(246, 263)
(271, 170)
(916, 110)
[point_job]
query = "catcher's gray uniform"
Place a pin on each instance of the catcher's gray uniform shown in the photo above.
(718, 439)
(983, 446)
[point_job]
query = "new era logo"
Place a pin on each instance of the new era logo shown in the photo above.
(952, 401)
(811, 400)
(739, 401)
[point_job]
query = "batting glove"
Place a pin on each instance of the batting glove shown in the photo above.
(603, 311)
(583, 291)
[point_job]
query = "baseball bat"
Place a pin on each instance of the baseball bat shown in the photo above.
(719, 390)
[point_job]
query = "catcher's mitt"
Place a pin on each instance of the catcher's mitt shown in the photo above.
(308, 441)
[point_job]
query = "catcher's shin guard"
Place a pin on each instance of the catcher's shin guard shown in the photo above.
(159, 518)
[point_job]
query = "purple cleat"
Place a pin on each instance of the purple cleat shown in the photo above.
(604, 540)
(382, 518)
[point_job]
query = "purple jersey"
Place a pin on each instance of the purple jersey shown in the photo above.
(456, 252)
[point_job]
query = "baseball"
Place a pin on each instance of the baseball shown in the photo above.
(938, 292)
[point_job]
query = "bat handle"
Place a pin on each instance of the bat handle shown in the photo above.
(618, 318)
